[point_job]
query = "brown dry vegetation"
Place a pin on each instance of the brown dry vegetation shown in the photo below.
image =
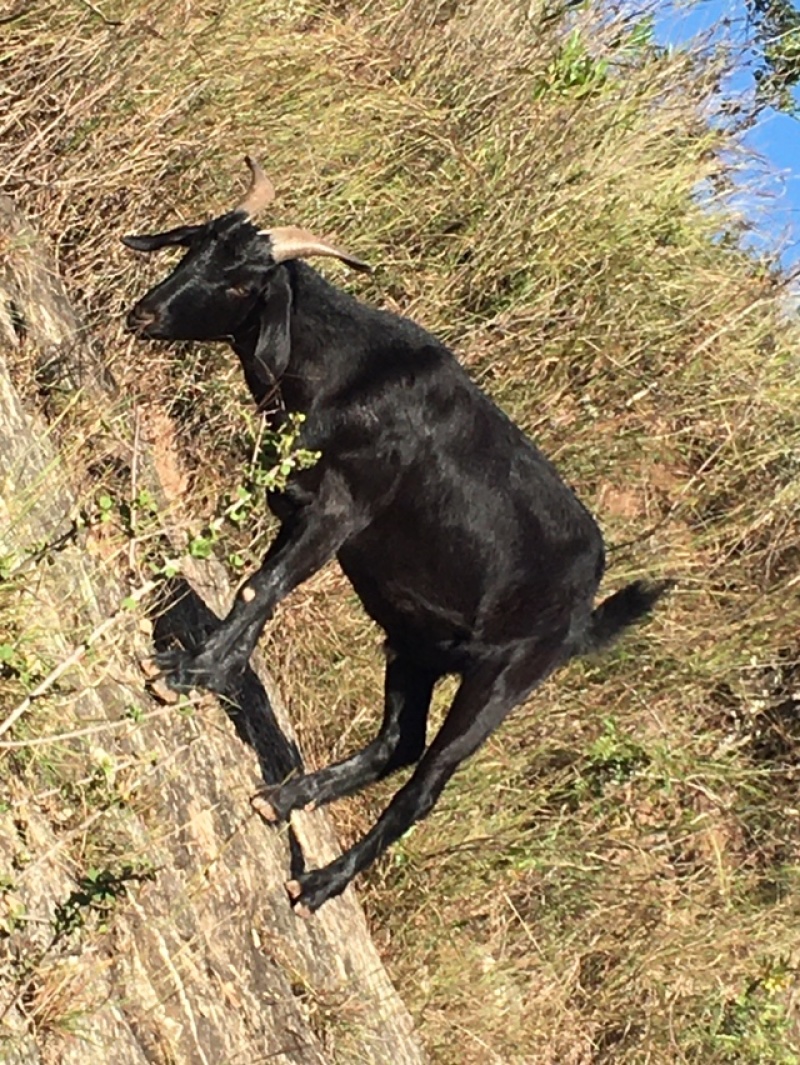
(614, 878)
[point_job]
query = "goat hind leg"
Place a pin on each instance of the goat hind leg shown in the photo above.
(401, 740)
(485, 697)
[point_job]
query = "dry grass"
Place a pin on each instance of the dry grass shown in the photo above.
(613, 878)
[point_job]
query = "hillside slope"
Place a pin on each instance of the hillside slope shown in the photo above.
(613, 879)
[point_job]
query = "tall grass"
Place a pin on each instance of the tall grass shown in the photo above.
(613, 877)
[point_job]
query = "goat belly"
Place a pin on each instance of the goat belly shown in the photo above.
(433, 621)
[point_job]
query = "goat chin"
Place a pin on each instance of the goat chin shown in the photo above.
(458, 535)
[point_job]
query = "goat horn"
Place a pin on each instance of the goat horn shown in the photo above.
(290, 242)
(261, 191)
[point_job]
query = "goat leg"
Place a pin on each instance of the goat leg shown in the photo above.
(485, 697)
(401, 740)
(305, 542)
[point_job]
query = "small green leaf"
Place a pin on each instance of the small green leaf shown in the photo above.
(200, 547)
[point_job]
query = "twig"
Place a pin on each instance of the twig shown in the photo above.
(74, 657)
(15, 13)
(134, 478)
(88, 730)
(99, 13)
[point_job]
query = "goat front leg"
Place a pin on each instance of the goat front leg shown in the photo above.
(305, 542)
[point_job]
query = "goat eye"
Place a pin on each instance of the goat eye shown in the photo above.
(239, 290)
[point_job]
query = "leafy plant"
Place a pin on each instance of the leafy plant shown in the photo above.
(575, 72)
(754, 1027)
(276, 457)
(96, 894)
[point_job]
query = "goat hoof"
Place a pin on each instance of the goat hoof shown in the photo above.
(156, 683)
(160, 690)
(301, 907)
(274, 803)
(184, 671)
(149, 668)
(264, 807)
(294, 889)
(175, 671)
(310, 890)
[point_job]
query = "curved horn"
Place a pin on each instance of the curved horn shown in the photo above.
(261, 191)
(290, 242)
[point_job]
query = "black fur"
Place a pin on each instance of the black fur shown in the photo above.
(457, 533)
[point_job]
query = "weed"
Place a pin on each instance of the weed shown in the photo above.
(753, 1026)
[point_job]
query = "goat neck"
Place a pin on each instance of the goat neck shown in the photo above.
(323, 345)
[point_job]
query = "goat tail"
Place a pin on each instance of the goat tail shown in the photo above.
(615, 614)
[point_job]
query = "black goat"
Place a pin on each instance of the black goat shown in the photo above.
(459, 536)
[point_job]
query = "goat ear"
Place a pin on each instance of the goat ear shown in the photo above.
(274, 343)
(183, 235)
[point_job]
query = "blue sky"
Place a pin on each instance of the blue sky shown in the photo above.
(773, 200)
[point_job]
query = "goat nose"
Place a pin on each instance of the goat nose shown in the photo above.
(140, 319)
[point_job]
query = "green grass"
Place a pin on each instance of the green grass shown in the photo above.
(613, 879)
